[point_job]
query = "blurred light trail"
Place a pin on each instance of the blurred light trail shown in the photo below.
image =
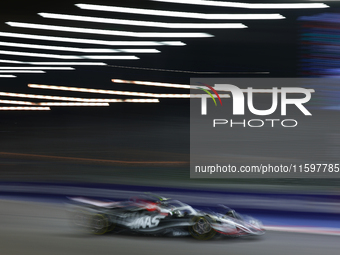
(41, 55)
(107, 32)
(91, 41)
(22, 71)
(178, 14)
(54, 63)
(73, 49)
(72, 104)
(141, 100)
(76, 99)
(10, 94)
(52, 103)
(16, 102)
(7, 76)
(249, 5)
(111, 57)
(35, 67)
(139, 50)
(115, 92)
(157, 84)
(142, 23)
(24, 108)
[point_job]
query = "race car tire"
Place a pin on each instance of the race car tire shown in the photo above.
(98, 224)
(201, 228)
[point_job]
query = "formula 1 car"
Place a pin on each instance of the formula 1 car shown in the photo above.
(154, 215)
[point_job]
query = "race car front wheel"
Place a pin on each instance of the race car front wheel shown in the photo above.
(98, 224)
(201, 228)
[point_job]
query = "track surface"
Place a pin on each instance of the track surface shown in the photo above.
(37, 228)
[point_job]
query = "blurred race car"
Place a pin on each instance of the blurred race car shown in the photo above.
(155, 215)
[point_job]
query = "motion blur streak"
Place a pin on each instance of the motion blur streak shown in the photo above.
(91, 41)
(150, 83)
(105, 32)
(142, 23)
(54, 63)
(25, 108)
(36, 67)
(16, 102)
(141, 100)
(112, 92)
(7, 76)
(73, 104)
(67, 63)
(178, 14)
(88, 160)
(39, 55)
(59, 98)
(307, 230)
(52, 103)
(48, 47)
(77, 99)
(111, 57)
(139, 50)
(249, 6)
(21, 71)
(73, 49)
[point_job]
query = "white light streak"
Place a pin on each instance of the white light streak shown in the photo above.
(178, 14)
(47, 47)
(73, 49)
(54, 63)
(16, 102)
(139, 50)
(75, 99)
(72, 104)
(25, 108)
(40, 55)
(111, 57)
(91, 41)
(35, 67)
(22, 71)
(141, 100)
(157, 84)
(68, 63)
(142, 23)
(107, 32)
(249, 5)
(52, 103)
(7, 76)
(115, 92)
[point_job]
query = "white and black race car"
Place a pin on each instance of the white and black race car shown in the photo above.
(151, 214)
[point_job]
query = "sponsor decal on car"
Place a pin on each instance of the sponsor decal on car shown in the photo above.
(144, 221)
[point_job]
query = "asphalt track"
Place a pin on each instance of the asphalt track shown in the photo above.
(42, 228)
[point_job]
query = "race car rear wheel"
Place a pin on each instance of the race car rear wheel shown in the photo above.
(201, 229)
(98, 224)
